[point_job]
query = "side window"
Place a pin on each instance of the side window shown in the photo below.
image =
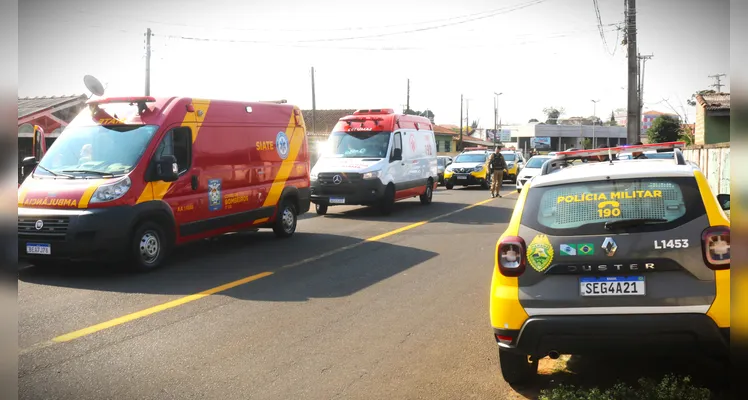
(397, 142)
(178, 142)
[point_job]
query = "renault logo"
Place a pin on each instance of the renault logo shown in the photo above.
(337, 179)
(39, 225)
(610, 246)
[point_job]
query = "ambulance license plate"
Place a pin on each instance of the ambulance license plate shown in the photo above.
(38, 248)
(612, 286)
(337, 200)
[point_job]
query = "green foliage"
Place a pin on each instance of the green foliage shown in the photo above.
(427, 113)
(664, 129)
(612, 121)
(532, 120)
(692, 101)
(669, 388)
(586, 143)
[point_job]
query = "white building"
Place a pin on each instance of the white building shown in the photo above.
(561, 137)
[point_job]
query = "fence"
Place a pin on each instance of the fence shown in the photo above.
(714, 161)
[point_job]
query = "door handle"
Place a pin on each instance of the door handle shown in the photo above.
(195, 182)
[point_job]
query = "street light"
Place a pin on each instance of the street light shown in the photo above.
(594, 120)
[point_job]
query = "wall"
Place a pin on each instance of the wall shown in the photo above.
(717, 129)
(445, 143)
(714, 161)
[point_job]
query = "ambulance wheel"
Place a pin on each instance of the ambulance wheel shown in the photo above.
(449, 185)
(285, 223)
(321, 209)
(388, 201)
(428, 195)
(149, 247)
(516, 368)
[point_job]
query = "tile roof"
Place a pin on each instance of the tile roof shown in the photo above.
(441, 129)
(31, 105)
(325, 120)
(714, 101)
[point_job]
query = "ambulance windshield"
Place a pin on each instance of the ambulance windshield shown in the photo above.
(358, 144)
(89, 151)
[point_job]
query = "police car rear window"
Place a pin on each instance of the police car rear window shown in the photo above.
(585, 207)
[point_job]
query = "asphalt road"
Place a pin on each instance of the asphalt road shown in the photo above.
(354, 306)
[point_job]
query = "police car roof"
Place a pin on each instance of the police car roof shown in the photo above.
(620, 169)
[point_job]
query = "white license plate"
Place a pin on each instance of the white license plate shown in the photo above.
(38, 248)
(612, 286)
(337, 200)
(461, 177)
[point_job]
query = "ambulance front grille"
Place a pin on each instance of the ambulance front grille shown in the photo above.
(52, 227)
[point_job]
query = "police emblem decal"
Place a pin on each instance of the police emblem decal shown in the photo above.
(540, 253)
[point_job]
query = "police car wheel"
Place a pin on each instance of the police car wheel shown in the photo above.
(427, 196)
(449, 185)
(285, 222)
(148, 247)
(516, 368)
(321, 209)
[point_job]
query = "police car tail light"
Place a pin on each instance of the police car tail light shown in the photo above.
(715, 242)
(511, 256)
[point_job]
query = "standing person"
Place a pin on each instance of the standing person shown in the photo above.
(496, 165)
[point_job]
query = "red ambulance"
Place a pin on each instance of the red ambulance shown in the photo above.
(132, 177)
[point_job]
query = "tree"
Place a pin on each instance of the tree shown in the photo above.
(532, 120)
(664, 129)
(687, 135)
(692, 101)
(612, 121)
(474, 125)
(427, 113)
(586, 143)
(553, 113)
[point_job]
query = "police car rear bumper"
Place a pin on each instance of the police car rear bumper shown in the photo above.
(367, 191)
(75, 235)
(616, 334)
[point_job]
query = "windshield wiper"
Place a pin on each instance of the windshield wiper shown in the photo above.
(85, 171)
(55, 173)
(630, 223)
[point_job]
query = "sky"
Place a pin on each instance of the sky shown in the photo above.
(537, 53)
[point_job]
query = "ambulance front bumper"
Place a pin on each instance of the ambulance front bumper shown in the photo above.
(361, 192)
(73, 235)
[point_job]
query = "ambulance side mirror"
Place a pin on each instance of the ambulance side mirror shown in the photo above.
(27, 165)
(397, 154)
(167, 169)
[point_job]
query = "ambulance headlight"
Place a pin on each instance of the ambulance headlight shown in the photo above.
(372, 174)
(111, 191)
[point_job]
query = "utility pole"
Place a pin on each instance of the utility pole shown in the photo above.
(594, 121)
(407, 101)
(633, 130)
(496, 122)
(644, 59)
(462, 102)
(718, 83)
(148, 62)
(467, 115)
(314, 104)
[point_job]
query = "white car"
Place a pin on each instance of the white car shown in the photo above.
(532, 168)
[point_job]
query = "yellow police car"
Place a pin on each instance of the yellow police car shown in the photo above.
(612, 257)
(469, 168)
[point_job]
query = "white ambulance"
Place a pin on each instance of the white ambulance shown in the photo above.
(376, 157)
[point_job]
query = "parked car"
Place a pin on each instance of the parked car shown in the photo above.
(530, 169)
(442, 162)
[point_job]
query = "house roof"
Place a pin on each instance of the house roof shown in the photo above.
(714, 101)
(443, 130)
(324, 120)
(32, 105)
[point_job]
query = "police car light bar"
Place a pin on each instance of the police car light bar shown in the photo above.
(609, 151)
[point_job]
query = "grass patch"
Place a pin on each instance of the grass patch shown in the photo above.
(670, 387)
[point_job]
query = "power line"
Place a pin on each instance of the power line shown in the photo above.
(479, 15)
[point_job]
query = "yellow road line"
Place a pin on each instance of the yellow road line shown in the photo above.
(187, 299)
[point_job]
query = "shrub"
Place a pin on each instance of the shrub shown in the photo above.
(669, 388)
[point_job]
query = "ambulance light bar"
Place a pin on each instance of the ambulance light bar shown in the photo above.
(109, 100)
(375, 111)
